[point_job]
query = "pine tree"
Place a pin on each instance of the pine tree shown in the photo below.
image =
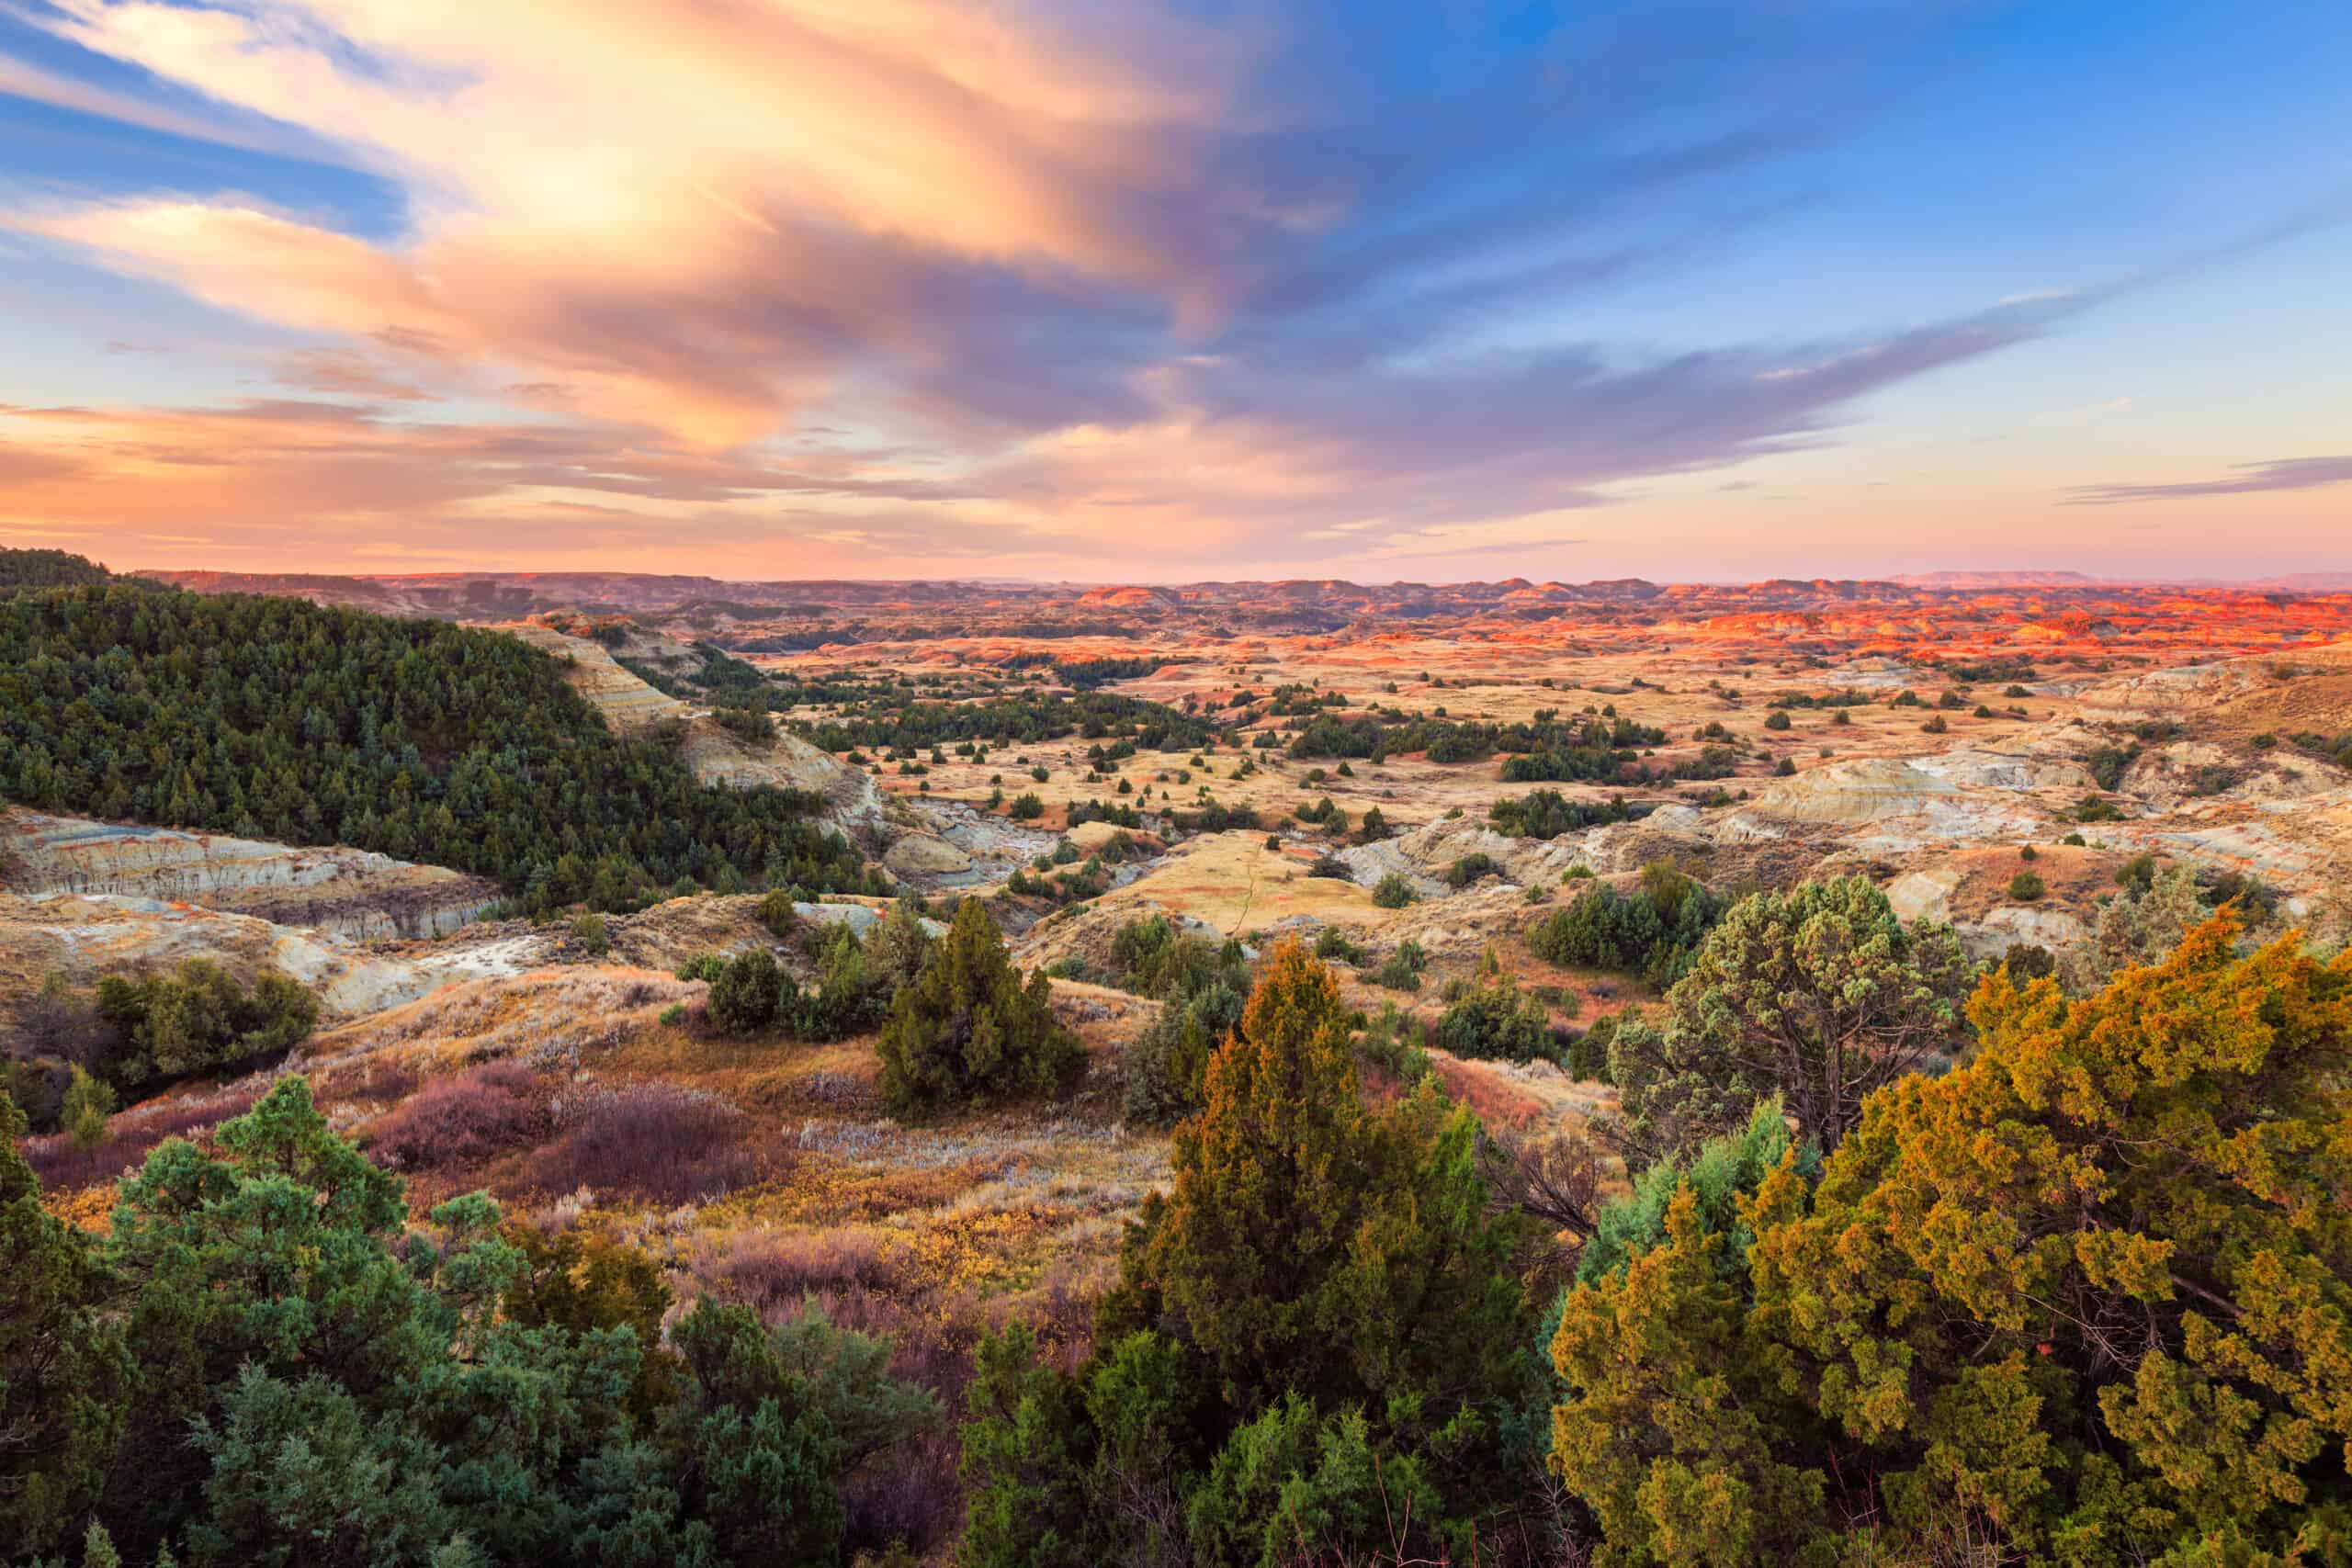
(969, 1028)
(64, 1373)
(1312, 1245)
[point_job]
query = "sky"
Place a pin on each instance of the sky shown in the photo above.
(1122, 291)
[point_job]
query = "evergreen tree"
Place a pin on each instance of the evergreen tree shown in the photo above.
(969, 1028)
(2086, 1299)
(65, 1375)
(1816, 996)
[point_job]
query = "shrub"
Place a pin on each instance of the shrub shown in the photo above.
(1393, 892)
(198, 1019)
(673, 1015)
(1496, 1021)
(1025, 808)
(461, 1121)
(747, 995)
(2025, 886)
(589, 931)
(1152, 957)
(702, 966)
(651, 1140)
(1332, 942)
(969, 1029)
(777, 912)
(1651, 932)
(1777, 719)
(1470, 868)
(85, 1107)
(2094, 1153)
(1401, 971)
(1587, 1056)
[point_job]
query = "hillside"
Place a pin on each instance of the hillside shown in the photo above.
(1379, 960)
(273, 717)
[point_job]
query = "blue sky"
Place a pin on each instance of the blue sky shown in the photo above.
(1134, 291)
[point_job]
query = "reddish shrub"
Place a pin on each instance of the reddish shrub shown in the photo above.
(462, 1120)
(132, 1135)
(1494, 1099)
(663, 1143)
(776, 1269)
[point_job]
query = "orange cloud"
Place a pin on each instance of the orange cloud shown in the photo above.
(698, 217)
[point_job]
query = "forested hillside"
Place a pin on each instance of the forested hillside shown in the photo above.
(278, 718)
(47, 569)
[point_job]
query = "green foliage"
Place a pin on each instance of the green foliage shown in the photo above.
(1496, 1020)
(1393, 892)
(1165, 1065)
(2098, 809)
(1817, 996)
(747, 995)
(777, 912)
(199, 1019)
(1152, 957)
(751, 726)
(1651, 934)
(1588, 1055)
(1470, 868)
(1295, 1484)
(64, 1372)
(1025, 808)
(1332, 941)
(589, 932)
(2075, 1302)
(969, 1029)
(1280, 1185)
(1335, 1304)
(279, 719)
(1200, 984)
(2135, 929)
(1719, 1174)
(1401, 970)
(2027, 886)
(263, 1364)
(88, 1104)
(21, 569)
(899, 721)
(1065, 1469)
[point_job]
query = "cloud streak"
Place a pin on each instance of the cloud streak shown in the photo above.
(1102, 283)
(2245, 478)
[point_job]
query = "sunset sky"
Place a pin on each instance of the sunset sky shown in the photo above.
(1109, 290)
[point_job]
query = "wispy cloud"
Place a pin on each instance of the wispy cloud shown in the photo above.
(1104, 280)
(2244, 478)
